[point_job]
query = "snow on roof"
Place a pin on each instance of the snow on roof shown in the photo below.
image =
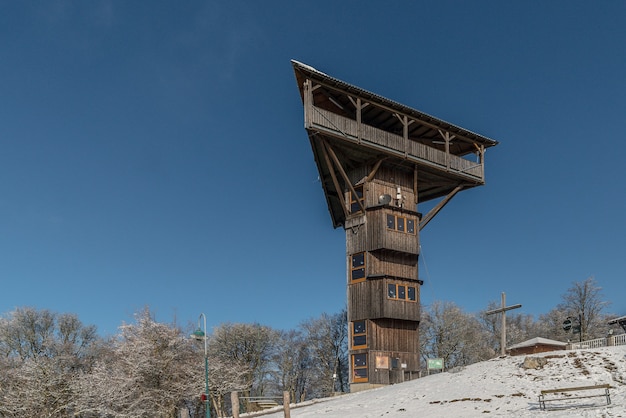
(536, 341)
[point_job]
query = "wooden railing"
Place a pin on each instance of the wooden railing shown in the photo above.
(600, 342)
(378, 138)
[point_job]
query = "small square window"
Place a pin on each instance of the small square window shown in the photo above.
(391, 222)
(358, 260)
(354, 200)
(410, 226)
(400, 225)
(359, 341)
(360, 360)
(359, 327)
(358, 274)
(411, 291)
(401, 292)
(391, 291)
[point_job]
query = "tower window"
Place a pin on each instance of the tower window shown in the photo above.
(410, 226)
(401, 292)
(359, 368)
(401, 224)
(357, 268)
(359, 335)
(355, 199)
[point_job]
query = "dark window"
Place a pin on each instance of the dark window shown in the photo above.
(359, 367)
(401, 292)
(410, 226)
(359, 341)
(359, 334)
(359, 327)
(360, 360)
(391, 222)
(354, 200)
(400, 224)
(358, 274)
(357, 269)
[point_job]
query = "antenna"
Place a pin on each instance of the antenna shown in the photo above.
(384, 199)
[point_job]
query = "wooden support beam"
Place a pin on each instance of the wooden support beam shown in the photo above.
(434, 211)
(359, 105)
(415, 190)
(334, 178)
(345, 177)
(374, 170)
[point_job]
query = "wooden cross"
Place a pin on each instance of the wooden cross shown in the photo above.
(503, 310)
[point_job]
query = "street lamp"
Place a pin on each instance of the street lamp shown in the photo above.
(200, 335)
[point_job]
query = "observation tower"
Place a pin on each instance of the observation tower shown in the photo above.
(378, 160)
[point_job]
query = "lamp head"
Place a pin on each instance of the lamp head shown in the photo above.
(198, 335)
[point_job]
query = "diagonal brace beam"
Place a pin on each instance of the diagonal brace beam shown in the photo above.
(434, 211)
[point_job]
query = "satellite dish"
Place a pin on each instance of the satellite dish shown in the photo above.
(384, 199)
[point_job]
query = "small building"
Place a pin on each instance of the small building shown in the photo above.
(621, 321)
(536, 345)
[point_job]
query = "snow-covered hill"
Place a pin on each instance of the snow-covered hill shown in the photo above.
(498, 387)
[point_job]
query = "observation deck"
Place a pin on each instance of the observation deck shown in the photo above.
(349, 127)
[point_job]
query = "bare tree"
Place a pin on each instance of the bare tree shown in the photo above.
(327, 339)
(447, 332)
(248, 348)
(42, 352)
(584, 300)
(293, 365)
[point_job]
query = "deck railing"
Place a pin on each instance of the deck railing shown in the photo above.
(600, 342)
(369, 135)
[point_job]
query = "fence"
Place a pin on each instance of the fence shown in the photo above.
(599, 342)
(263, 402)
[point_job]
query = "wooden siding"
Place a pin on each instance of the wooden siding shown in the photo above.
(393, 335)
(368, 300)
(349, 130)
(393, 264)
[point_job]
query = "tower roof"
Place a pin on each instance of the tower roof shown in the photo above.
(303, 71)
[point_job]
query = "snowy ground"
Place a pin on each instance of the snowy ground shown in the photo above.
(498, 387)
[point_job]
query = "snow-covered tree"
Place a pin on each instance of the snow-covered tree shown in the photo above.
(149, 371)
(42, 352)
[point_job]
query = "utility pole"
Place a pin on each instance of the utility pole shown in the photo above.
(503, 310)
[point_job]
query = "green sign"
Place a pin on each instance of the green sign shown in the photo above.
(435, 364)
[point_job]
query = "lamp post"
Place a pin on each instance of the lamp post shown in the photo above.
(199, 335)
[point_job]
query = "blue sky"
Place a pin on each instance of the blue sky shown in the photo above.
(153, 153)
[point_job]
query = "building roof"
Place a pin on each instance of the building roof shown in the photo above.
(303, 70)
(537, 341)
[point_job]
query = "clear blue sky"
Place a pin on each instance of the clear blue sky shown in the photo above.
(153, 153)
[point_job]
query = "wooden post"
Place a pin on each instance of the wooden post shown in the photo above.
(286, 404)
(234, 403)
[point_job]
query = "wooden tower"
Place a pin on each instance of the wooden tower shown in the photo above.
(377, 160)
